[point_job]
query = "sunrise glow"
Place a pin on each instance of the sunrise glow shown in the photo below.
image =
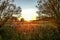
(29, 14)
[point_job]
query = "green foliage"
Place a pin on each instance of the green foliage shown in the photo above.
(0, 38)
(41, 32)
(8, 33)
(48, 32)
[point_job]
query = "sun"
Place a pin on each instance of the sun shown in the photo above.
(29, 14)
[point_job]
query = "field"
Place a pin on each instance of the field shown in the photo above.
(30, 30)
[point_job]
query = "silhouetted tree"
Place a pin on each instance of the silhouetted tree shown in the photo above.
(7, 10)
(50, 7)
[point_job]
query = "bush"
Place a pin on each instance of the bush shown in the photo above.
(7, 32)
(48, 32)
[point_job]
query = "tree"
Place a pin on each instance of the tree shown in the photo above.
(41, 7)
(50, 7)
(7, 10)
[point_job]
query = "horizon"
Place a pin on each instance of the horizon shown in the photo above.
(28, 8)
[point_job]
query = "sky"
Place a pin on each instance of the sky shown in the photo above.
(28, 8)
(24, 4)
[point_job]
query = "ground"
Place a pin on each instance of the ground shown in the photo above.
(30, 30)
(24, 26)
